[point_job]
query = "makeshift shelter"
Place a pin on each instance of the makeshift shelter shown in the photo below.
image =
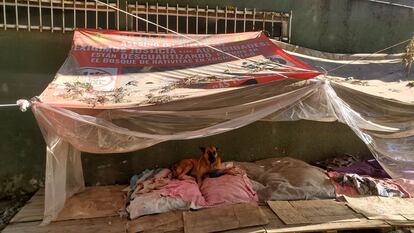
(124, 91)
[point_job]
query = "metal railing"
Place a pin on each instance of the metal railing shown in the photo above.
(64, 15)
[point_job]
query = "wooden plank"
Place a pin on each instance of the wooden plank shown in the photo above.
(287, 213)
(224, 218)
(258, 229)
(33, 210)
(108, 224)
(399, 223)
(97, 201)
(386, 208)
(165, 222)
(313, 211)
(363, 224)
(409, 216)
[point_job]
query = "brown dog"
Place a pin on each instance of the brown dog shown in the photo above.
(209, 160)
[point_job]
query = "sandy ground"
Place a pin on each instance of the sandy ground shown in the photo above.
(381, 77)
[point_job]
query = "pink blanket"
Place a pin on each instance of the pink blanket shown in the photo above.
(226, 189)
(186, 189)
(171, 194)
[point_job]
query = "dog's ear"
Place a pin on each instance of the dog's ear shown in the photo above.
(203, 149)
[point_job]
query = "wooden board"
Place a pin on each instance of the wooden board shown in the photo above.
(29, 219)
(224, 218)
(94, 202)
(165, 222)
(363, 224)
(312, 211)
(33, 210)
(386, 208)
(108, 224)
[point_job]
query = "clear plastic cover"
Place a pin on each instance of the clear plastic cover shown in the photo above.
(387, 127)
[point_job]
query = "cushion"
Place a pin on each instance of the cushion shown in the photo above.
(285, 178)
(154, 203)
(176, 195)
(228, 189)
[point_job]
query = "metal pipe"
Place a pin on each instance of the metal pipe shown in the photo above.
(235, 20)
(96, 15)
(51, 15)
(17, 16)
(136, 19)
(263, 23)
(74, 14)
(254, 19)
(85, 15)
(225, 20)
(146, 15)
(216, 28)
(176, 18)
(156, 20)
(166, 14)
(117, 15)
(28, 16)
(63, 16)
(244, 20)
(4, 15)
(107, 15)
(186, 21)
(126, 16)
(273, 25)
(197, 20)
(290, 25)
(206, 19)
(40, 16)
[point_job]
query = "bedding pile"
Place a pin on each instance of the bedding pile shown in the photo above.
(353, 176)
(279, 178)
(285, 178)
(154, 191)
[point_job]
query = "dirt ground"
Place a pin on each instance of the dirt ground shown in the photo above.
(9, 206)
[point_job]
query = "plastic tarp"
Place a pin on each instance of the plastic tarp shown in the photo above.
(122, 91)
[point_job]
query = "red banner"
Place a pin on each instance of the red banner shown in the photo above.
(100, 62)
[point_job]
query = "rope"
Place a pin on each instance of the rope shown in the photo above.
(8, 105)
(382, 50)
(21, 103)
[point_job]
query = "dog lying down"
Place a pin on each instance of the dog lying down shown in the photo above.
(209, 164)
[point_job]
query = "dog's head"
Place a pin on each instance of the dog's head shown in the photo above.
(210, 153)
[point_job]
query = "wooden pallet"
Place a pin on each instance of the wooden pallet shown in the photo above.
(329, 220)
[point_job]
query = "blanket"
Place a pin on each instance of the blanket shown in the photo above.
(154, 191)
(354, 185)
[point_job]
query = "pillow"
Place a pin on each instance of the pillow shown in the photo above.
(154, 203)
(176, 195)
(285, 178)
(228, 189)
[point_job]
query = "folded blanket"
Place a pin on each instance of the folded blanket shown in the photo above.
(354, 185)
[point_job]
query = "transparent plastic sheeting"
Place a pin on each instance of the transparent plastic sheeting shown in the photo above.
(386, 127)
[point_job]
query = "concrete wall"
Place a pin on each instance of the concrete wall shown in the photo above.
(28, 62)
(339, 26)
